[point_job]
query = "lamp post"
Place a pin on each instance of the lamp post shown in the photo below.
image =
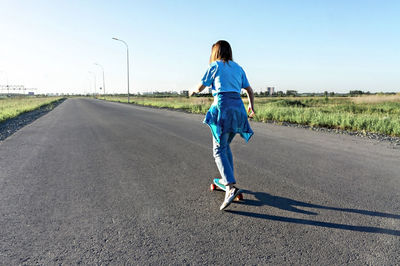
(127, 60)
(94, 75)
(104, 84)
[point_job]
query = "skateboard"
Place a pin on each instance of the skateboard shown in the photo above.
(217, 185)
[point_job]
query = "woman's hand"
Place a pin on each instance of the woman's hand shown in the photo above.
(250, 96)
(192, 93)
(199, 88)
(251, 111)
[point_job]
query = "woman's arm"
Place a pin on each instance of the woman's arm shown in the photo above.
(200, 87)
(250, 96)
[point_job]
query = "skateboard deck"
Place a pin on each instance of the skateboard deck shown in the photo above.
(217, 185)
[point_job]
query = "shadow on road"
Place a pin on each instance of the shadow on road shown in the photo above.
(265, 199)
(287, 204)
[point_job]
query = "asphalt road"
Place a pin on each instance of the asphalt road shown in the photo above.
(94, 182)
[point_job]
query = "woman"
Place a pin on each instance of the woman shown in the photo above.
(227, 115)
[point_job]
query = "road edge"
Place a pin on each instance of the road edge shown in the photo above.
(12, 125)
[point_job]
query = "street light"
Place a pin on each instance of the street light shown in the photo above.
(127, 60)
(94, 75)
(104, 84)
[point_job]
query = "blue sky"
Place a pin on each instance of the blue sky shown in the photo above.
(301, 45)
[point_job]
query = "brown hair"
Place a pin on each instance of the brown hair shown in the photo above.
(221, 50)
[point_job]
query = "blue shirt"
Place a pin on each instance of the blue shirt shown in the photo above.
(227, 114)
(225, 77)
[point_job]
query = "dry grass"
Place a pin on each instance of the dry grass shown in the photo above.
(376, 99)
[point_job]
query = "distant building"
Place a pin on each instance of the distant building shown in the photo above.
(270, 90)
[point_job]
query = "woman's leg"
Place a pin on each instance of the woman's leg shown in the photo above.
(229, 152)
(223, 158)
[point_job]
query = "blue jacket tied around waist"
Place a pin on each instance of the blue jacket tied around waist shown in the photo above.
(228, 115)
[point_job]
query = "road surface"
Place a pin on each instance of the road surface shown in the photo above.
(95, 182)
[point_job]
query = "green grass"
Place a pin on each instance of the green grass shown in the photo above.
(12, 107)
(377, 114)
(193, 105)
(381, 118)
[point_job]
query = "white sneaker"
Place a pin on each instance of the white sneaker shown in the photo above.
(222, 182)
(229, 197)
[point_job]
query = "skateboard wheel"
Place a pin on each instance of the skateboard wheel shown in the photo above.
(239, 197)
(213, 187)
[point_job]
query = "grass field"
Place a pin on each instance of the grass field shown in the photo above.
(12, 107)
(377, 114)
(198, 105)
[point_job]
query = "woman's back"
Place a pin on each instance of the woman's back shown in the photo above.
(225, 77)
